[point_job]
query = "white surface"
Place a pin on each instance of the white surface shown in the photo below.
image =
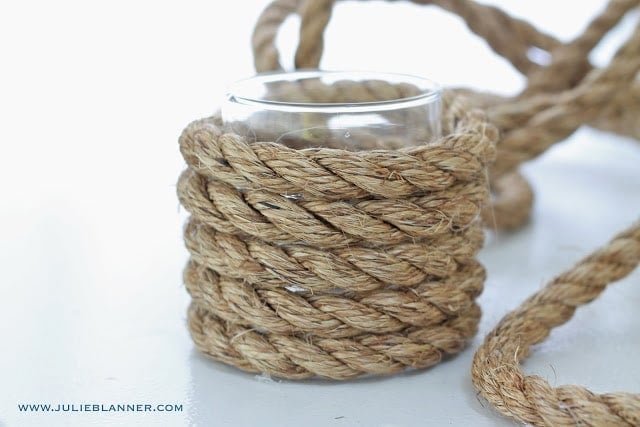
(92, 309)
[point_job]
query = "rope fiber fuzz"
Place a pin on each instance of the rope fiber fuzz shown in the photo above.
(372, 267)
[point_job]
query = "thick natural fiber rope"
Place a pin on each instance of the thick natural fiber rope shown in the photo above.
(512, 41)
(380, 247)
(496, 373)
(558, 99)
(369, 327)
(530, 123)
(591, 95)
(565, 71)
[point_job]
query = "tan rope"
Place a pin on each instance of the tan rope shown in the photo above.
(326, 262)
(513, 39)
(620, 116)
(560, 115)
(315, 17)
(570, 62)
(512, 42)
(535, 120)
(263, 39)
(497, 376)
(370, 269)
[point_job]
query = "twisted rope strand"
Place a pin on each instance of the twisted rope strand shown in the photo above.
(512, 42)
(315, 16)
(372, 215)
(325, 262)
(331, 173)
(495, 371)
(300, 265)
(288, 356)
(571, 109)
(335, 263)
(263, 39)
(570, 62)
(329, 315)
(522, 115)
(514, 39)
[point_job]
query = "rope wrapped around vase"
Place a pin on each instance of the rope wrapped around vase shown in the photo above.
(369, 270)
(248, 247)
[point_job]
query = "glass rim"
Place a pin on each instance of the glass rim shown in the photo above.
(430, 92)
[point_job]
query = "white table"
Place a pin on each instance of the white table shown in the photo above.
(92, 309)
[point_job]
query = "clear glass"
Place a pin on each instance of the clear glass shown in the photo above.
(335, 109)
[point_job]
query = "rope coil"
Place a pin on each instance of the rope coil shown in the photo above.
(374, 268)
(371, 269)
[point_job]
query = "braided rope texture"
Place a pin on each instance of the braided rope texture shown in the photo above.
(369, 269)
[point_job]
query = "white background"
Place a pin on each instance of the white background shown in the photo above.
(93, 96)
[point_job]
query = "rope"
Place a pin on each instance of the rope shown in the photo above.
(497, 376)
(560, 115)
(324, 262)
(370, 269)
(263, 39)
(568, 67)
(531, 122)
(570, 62)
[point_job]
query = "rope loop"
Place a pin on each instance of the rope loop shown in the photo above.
(372, 267)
